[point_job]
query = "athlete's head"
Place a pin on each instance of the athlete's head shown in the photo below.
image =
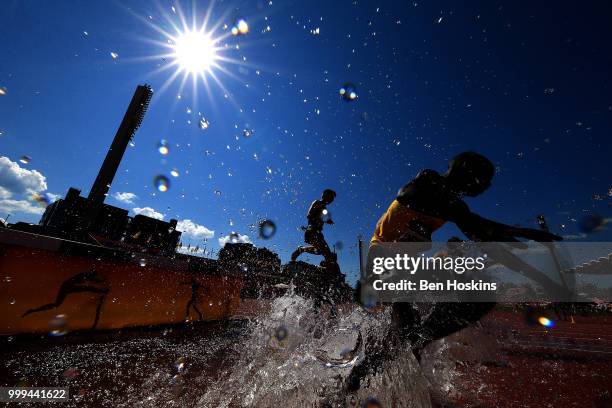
(470, 173)
(328, 196)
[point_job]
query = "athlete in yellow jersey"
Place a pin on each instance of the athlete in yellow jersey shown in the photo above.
(431, 199)
(421, 207)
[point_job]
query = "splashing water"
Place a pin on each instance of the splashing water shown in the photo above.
(286, 355)
(296, 357)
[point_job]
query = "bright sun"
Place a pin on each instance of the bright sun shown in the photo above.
(195, 52)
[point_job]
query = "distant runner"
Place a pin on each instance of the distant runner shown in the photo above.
(420, 208)
(313, 235)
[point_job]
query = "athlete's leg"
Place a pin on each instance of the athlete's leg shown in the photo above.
(300, 250)
(446, 319)
(377, 351)
(322, 248)
(405, 320)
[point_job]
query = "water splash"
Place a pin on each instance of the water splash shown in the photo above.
(295, 356)
(280, 357)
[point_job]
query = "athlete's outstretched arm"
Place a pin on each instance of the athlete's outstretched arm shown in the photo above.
(478, 228)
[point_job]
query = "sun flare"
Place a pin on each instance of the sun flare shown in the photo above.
(196, 48)
(194, 52)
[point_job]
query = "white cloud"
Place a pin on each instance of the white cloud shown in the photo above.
(22, 206)
(4, 193)
(234, 238)
(193, 230)
(19, 188)
(17, 180)
(54, 197)
(126, 197)
(149, 212)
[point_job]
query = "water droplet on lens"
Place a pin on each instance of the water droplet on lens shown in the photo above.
(591, 223)
(204, 123)
(161, 183)
(163, 147)
(142, 262)
(325, 215)
(174, 173)
(348, 92)
(25, 159)
(247, 132)
(12, 301)
(281, 333)
(114, 55)
(41, 199)
(267, 229)
(58, 325)
(234, 238)
(240, 28)
(546, 322)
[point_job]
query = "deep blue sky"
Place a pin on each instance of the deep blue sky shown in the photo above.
(525, 83)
